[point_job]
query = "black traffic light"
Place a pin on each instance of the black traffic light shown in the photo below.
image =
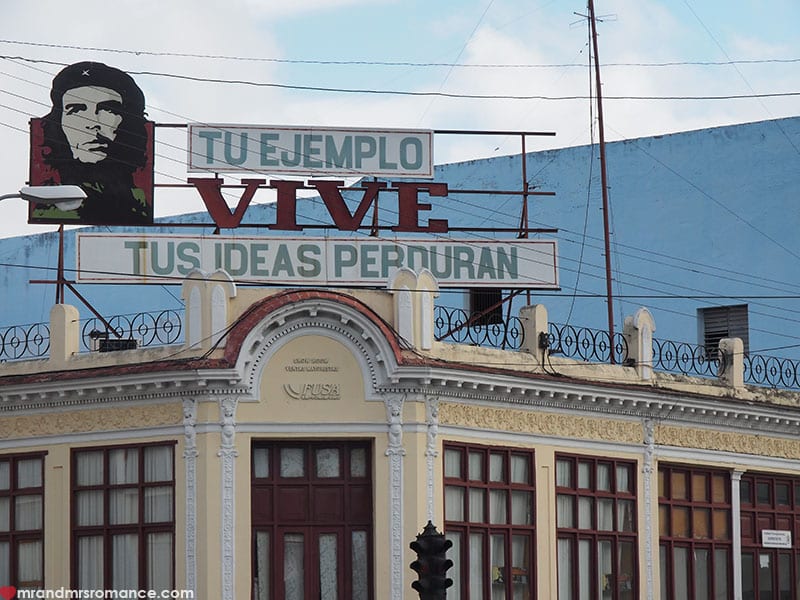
(431, 564)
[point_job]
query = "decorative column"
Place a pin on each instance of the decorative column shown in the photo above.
(432, 421)
(228, 454)
(736, 517)
(395, 452)
(648, 468)
(190, 463)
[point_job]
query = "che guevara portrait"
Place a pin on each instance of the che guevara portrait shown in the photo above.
(96, 135)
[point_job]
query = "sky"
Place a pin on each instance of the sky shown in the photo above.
(402, 64)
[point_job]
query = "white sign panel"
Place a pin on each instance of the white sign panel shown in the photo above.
(315, 151)
(366, 261)
(776, 538)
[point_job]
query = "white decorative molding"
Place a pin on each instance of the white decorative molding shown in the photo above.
(219, 312)
(190, 463)
(228, 454)
(395, 452)
(194, 326)
(432, 422)
(648, 468)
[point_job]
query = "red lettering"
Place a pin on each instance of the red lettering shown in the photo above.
(330, 192)
(408, 207)
(211, 192)
(286, 209)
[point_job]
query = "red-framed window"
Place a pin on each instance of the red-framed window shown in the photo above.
(596, 523)
(770, 502)
(489, 498)
(695, 540)
(22, 520)
(312, 519)
(123, 517)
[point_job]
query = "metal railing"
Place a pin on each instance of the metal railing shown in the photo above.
(20, 342)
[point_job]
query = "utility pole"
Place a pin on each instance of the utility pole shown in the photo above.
(603, 182)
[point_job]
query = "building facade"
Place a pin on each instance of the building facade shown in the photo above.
(298, 440)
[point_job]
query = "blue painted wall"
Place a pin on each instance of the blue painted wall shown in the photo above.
(698, 219)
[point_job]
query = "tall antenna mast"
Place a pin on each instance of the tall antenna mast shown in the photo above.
(603, 182)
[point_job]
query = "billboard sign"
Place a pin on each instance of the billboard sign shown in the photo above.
(350, 152)
(95, 136)
(362, 261)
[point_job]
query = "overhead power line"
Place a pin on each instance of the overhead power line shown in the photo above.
(381, 63)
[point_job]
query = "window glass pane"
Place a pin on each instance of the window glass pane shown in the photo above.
(782, 494)
(498, 562)
(4, 562)
(497, 506)
(680, 522)
(520, 469)
(521, 508)
(784, 576)
(159, 561)
(605, 514)
(585, 512)
(29, 473)
(626, 577)
(765, 575)
(476, 466)
(359, 561)
(605, 569)
(719, 488)
(584, 475)
(797, 494)
(90, 562)
(452, 463)
(157, 504)
(29, 564)
(327, 462)
(456, 572)
(583, 574)
(158, 463)
(566, 569)
(328, 586)
(261, 576)
(663, 521)
(721, 573)
(721, 531)
(476, 566)
(5, 512)
(261, 462)
(123, 506)
(477, 512)
(453, 503)
(680, 567)
(678, 485)
(5, 479)
(624, 479)
(497, 467)
(701, 523)
(745, 492)
(125, 561)
(604, 477)
(28, 512)
(520, 567)
(701, 569)
(292, 462)
(123, 466)
(89, 507)
(625, 520)
(565, 511)
(699, 487)
(90, 468)
(293, 573)
(358, 462)
(762, 493)
(748, 576)
(662, 558)
(564, 473)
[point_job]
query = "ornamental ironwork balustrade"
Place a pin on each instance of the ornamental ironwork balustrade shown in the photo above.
(20, 342)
